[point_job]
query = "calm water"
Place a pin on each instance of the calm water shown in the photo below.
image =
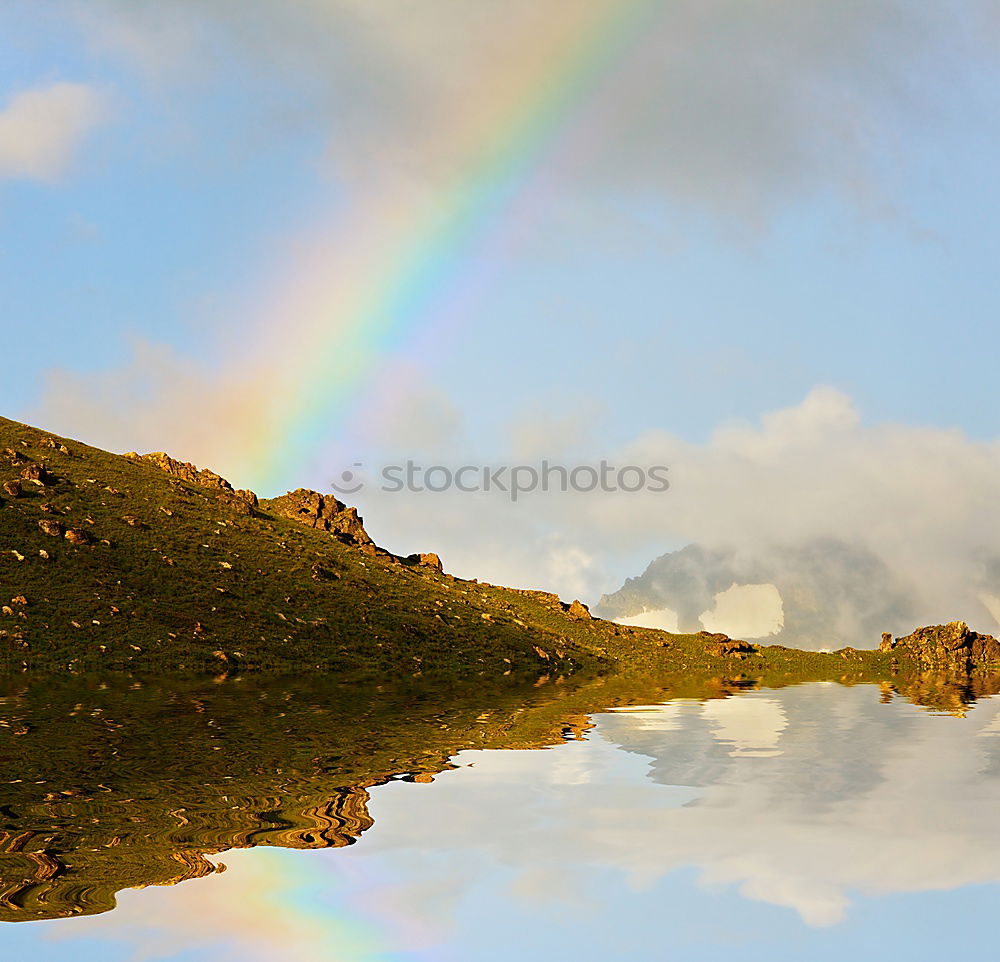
(819, 822)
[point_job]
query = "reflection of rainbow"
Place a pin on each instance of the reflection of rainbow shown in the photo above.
(276, 903)
(402, 278)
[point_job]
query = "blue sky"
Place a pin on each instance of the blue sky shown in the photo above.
(175, 204)
(773, 198)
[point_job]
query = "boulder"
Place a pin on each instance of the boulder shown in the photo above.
(234, 502)
(12, 489)
(731, 648)
(324, 512)
(429, 560)
(954, 647)
(247, 497)
(78, 536)
(52, 528)
(37, 472)
(579, 611)
(181, 469)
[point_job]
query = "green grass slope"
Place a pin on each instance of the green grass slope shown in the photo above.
(167, 573)
(110, 562)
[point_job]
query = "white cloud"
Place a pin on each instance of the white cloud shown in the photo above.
(916, 504)
(746, 611)
(918, 498)
(730, 105)
(41, 130)
(662, 618)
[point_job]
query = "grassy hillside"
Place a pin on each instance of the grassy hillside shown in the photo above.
(170, 573)
(112, 562)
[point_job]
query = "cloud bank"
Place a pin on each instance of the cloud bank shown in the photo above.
(732, 106)
(867, 527)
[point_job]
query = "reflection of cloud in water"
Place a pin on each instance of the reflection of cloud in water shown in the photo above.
(872, 799)
(745, 725)
(800, 797)
(657, 718)
(751, 725)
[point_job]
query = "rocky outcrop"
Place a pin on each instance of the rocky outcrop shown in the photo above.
(722, 646)
(182, 469)
(952, 647)
(321, 511)
(579, 611)
(428, 560)
(241, 500)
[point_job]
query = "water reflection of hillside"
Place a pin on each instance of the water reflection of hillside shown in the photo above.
(125, 783)
(110, 785)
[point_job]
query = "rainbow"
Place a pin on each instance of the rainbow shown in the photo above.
(412, 274)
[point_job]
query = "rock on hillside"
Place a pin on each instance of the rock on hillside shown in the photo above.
(322, 511)
(952, 647)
